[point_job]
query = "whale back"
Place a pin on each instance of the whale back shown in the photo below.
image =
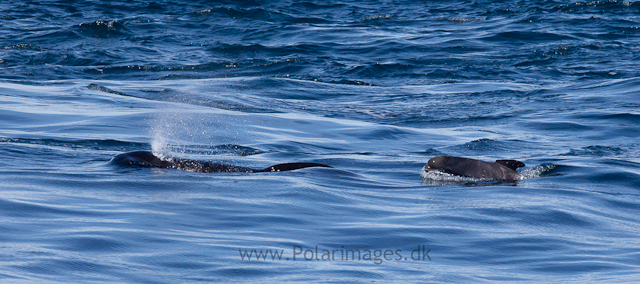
(512, 164)
(148, 159)
(140, 158)
(293, 166)
(474, 168)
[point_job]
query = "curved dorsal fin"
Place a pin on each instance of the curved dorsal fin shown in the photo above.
(512, 164)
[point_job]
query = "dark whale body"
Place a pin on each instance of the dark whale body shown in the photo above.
(148, 159)
(498, 170)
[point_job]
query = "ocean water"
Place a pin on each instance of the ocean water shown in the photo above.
(372, 88)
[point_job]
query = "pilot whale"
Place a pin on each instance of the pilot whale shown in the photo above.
(148, 159)
(498, 170)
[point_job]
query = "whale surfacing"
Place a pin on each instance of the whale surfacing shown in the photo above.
(498, 170)
(148, 159)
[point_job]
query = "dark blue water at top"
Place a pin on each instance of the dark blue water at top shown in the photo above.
(372, 88)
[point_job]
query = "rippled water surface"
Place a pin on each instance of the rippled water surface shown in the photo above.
(372, 88)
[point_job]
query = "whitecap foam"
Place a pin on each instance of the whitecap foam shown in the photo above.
(535, 172)
(446, 177)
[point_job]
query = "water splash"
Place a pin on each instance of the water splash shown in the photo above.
(160, 132)
(536, 172)
(158, 144)
(447, 177)
(194, 134)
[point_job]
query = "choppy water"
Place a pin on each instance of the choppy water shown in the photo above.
(372, 88)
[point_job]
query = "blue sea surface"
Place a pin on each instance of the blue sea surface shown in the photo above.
(372, 88)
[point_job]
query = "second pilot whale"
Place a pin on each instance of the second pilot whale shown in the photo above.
(497, 170)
